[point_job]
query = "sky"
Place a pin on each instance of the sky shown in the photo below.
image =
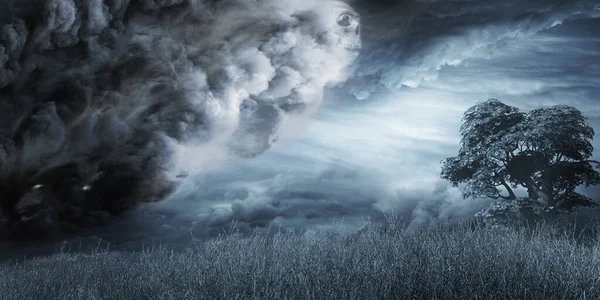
(373, 147)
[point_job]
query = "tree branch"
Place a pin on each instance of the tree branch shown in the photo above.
(511, 194)
(504, 197)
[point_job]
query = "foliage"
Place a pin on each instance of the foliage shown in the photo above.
(546, 151)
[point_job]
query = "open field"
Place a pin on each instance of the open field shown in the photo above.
(442, 262)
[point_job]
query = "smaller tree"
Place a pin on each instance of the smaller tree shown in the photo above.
(545, 151)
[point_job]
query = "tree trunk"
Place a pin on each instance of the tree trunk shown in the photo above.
(532, 191)
(549, 193)
(547, 189)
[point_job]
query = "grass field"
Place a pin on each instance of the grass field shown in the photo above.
(441, 262)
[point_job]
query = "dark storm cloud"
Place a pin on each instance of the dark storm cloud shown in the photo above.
(562, 59)
(410, 44)
(104, 103)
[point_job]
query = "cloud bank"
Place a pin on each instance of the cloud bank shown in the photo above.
(105, 104)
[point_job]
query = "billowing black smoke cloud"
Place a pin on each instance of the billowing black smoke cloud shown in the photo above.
(107, 103)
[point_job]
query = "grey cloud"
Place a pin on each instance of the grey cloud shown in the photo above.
(415, 46)
(158, 4)
(556, 66)
(256, 197)
(59, 16)
(99, 15)
(12, 42)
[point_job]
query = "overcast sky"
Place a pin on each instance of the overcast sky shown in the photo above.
(376, 144)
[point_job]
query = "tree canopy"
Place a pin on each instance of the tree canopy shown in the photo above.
(546, 151)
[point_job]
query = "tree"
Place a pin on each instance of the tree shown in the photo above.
(545, 151)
